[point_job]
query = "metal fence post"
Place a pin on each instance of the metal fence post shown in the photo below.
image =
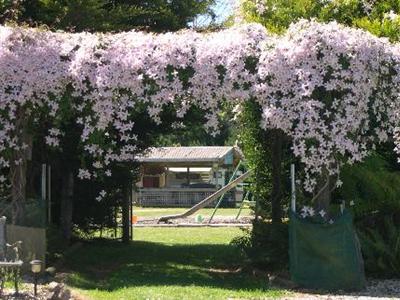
(293, 185)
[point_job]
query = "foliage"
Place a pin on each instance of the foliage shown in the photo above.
(105, 15)
(166, 263)
(380, 241)
(255, 144)
(266, 245)
(379, 17)
(189, 131)
(372, 186)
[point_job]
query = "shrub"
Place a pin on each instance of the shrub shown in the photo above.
(381, 245)
(266, 246)
(373, 185)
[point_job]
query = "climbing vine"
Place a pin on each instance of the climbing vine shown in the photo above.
(333, 90)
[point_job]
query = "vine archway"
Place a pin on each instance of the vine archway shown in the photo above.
(333, 90)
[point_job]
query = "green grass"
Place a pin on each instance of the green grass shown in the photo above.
(206, 212)
(166, 263)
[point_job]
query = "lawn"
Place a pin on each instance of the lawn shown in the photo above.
(155, 212)
(166, 263)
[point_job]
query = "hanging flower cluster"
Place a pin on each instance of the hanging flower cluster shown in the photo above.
(333, 90)
(107, 75)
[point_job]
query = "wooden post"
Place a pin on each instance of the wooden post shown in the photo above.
(130, 213)
(188, 176)
(115, 222)
(43, 182)
(49, 194)
(67, 203)
(277, 193)
(167, 177)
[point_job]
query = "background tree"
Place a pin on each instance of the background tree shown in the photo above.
(106, 15)
(378, 17)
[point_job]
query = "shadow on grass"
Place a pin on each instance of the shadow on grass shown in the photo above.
(109, 266)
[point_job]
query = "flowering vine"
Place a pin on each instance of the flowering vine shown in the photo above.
(333, 90)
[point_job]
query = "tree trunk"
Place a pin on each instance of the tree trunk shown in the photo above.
(67, 204)
(277, 192)
(126, 222)
(18, 189)
(18, 170)
(323, 197)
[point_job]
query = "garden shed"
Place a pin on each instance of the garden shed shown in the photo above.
(183, 176)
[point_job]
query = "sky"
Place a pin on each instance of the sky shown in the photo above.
(223, 9)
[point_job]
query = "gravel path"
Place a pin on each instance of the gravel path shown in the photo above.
(376, 289)
(219, 221)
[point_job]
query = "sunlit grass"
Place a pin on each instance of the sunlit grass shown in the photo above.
(166, 263)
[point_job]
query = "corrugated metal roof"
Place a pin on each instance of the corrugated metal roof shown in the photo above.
(186, 154)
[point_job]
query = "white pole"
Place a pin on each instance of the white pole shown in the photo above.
(293, 181)
(342, 206)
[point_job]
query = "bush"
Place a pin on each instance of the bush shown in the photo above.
(373, 185)
(56, 245)
(266, 246)
(380, 244)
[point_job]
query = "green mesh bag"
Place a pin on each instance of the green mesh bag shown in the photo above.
(325, 256)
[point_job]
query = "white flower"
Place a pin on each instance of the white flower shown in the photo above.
(311, 212)
(307, 211)
(84, 174)
(101, 195)
(52, 141)
(391, 15)
(260, 7)
(97, 165)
